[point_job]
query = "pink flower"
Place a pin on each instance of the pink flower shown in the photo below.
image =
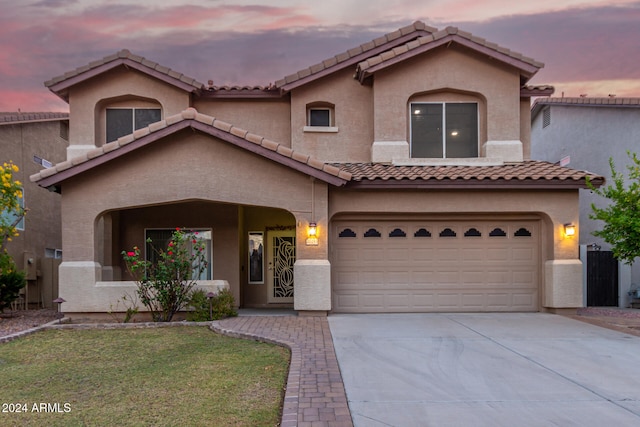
(171, 244)
(169, 253)
(194, 241)
(131, 253)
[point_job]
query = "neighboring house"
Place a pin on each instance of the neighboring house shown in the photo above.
(394, 177)
(31, 141)
(586, 133)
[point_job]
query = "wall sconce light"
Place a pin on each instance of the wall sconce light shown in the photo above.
(569, 230)
(313, 229)
(312, 235)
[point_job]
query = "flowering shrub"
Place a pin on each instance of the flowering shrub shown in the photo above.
(11, 213)
(164, 286)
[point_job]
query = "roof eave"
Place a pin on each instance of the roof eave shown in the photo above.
(61, 88)
(56, 179)
(241, 94)
(526, 92)
(527, 70)
(498, 184)
(354, 60)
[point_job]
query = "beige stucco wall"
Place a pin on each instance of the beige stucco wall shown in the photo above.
(19, 143)
(353, 117)
(88, 100)
(525, 127)
(447, 70)
(269, 118)
(555, 208)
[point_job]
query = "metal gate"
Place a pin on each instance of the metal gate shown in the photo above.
(602, 279)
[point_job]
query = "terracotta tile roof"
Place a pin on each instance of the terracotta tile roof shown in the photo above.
(528, 173)
(365, 68)
(357, 54)
(537, 90)
(607, 102)
(12, 118)
(61, 83)
(208, 124)
(270, 91)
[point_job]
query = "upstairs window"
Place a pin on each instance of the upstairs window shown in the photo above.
(444, 130)
(123, 121)
(319, 117)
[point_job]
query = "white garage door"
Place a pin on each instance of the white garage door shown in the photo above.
(435, 266)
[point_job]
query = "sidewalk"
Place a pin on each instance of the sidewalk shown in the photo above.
(315, 393)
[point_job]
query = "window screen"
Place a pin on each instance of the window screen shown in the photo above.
(123, 121)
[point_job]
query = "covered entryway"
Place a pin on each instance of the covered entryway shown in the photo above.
(435, 265)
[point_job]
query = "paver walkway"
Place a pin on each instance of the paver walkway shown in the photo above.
(315, 393)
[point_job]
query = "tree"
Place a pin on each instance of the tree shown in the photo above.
(622, 217)
(11, 213)
(165, 286)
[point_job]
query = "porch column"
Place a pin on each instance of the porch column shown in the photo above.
(312, 270)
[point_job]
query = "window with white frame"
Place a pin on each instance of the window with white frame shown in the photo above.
(158, 239)
(320, 117)
(444, 130)
(123, 121)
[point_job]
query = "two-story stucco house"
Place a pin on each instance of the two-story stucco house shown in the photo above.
(587, 132)
(393, 177)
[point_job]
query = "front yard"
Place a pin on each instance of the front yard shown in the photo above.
(174, 376)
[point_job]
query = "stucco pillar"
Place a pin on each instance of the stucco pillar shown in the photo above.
(76, 281)
(563, 284)
(312, 285)
(312, 270)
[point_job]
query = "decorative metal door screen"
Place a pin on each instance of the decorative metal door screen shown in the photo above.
(283, 256)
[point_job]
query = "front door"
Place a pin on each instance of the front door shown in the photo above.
(281, 254)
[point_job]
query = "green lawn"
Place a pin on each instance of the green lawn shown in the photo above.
(179, 376)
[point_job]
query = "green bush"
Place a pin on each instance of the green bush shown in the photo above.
(222, 305)
(10, 284)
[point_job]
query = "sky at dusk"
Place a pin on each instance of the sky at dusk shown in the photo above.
(588, 46)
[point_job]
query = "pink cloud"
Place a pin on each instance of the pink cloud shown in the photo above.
(31, 101)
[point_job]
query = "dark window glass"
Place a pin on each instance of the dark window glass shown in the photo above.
(426, 130)
(319, 117)
(444, 130)
(145, 116)
(462, 130)
(119, 123)
(123, 121)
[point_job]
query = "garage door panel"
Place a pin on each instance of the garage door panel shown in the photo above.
(494, 268)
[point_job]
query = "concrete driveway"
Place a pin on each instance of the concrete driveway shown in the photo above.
(486, 370)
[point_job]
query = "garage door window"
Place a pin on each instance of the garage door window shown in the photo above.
(447, 232)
